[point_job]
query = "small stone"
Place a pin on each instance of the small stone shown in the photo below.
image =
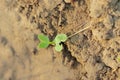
(67, 1)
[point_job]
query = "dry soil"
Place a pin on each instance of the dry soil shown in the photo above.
(93, 54)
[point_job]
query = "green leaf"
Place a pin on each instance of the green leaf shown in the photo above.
(60, 38)
(44, 41)
(58, 47)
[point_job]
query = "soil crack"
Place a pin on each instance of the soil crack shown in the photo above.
(68, 58)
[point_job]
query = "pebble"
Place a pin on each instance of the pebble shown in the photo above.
(67, 1)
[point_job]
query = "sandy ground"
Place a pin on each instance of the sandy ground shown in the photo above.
(90, 55)
(17, 59)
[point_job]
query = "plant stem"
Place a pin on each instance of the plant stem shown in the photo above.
(52, 43)
(79, 30)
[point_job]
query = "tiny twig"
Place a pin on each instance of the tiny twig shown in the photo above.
(79, 30)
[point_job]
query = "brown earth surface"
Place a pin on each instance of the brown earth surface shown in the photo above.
(92, 54)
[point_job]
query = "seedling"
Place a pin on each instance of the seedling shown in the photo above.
(45, 42)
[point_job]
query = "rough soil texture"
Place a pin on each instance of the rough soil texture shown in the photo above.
(89, 55)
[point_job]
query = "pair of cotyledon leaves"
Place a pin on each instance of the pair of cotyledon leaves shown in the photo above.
(45, 42)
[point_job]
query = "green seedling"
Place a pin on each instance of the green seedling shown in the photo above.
(45, 42)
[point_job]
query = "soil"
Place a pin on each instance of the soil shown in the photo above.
(92, 54)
